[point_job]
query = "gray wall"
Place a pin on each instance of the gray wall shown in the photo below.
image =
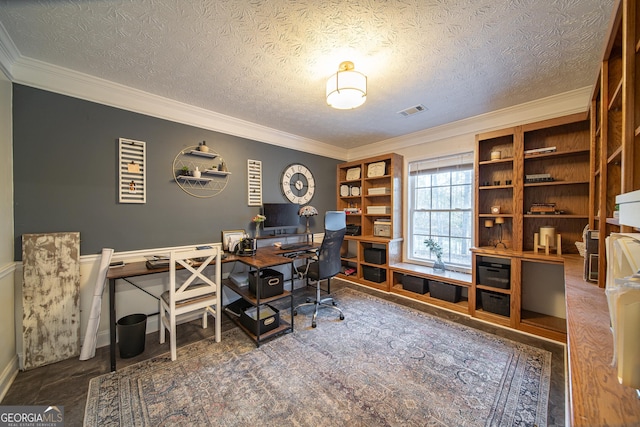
(65, 176)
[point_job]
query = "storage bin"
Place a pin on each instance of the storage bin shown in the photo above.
(444, 291)
(415, 284)
(375, 255)
(237, 307)
(269, 319)
(495, 303)
(271, 282)
(494, 274)
(378, 210)
(374, 274)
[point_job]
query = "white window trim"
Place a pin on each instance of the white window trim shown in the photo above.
(466, 158)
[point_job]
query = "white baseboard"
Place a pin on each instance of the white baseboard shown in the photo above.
(9, 374)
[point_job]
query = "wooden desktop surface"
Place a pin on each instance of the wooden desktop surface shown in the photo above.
(268, 256)
(596, 398)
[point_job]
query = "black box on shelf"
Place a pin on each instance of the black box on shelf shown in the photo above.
(494, 274)
(237, 307)
(444, 291)
(269, 318)
(495, 302)
(374, 274)
(375, 255)
(415, 284)
(271, 282)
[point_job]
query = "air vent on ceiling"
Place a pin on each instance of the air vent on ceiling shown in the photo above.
(413, 110)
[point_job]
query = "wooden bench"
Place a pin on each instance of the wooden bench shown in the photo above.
(461, 280)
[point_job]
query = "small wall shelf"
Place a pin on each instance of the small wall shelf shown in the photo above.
(193, 178)
(208, 154)
(210, 183)
(216, 172)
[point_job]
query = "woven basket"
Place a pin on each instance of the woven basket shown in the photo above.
(582, 249)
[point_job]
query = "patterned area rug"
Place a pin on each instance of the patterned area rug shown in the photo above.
(384, 365)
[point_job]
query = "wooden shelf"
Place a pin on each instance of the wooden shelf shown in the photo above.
(563, 153)
(495, 187)
(493, 289)
(243, 291)
(551, 183)
(391, 179)
(616, 99)
(596, 396)
(557, 216)
(616, 156)
(490, 215)
(613, 221)
(570, 164)
(551, 323)
(488, 162)
(282, 328)
(492, 317)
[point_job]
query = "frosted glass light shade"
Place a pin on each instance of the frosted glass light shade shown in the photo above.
(347, 88)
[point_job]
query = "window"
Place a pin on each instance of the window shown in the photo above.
(441, 208)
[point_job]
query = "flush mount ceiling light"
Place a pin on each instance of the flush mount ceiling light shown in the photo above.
(347, 88)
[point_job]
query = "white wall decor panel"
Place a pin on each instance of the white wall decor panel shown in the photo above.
(50, 298)
(132, 175)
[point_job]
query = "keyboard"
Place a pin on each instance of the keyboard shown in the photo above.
(294, 246)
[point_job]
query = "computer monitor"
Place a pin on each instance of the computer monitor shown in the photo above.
(281, 215)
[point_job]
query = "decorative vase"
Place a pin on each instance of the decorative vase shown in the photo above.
(438, 265)
(257, 229)
(196, 173)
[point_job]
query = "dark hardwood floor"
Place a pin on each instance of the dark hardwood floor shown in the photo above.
(66, 383)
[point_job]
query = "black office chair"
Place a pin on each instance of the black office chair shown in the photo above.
(327, 264)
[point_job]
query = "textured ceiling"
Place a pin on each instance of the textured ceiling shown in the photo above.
(267, 61)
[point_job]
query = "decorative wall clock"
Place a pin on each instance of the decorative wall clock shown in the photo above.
(297, 184)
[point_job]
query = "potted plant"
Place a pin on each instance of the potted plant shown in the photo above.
(435, 247)
(257, 220)
(184, 171)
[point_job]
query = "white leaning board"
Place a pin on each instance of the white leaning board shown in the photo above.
(50, 298)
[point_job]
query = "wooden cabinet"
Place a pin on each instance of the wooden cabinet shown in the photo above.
(496, 182)
(527, 177)
(542, 164)
(568, 165)
(615, 126)
(453, 286)
(370, 191)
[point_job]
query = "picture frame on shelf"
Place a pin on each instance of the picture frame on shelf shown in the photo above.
(230, 238)
(353, 173)
(376, 169)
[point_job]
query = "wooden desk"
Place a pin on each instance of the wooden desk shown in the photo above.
(596, 397)
(264, 258)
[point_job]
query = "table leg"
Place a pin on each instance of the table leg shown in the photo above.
(112, 323)
(294, 270)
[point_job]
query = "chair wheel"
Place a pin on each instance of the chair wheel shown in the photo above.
(308, 299)
(342, 317)
(334, 303)
(295, 312)
(313, 324)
